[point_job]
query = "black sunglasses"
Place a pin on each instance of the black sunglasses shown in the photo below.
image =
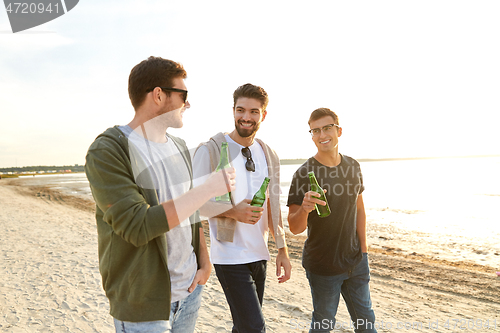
(249, 165)
(184, 92)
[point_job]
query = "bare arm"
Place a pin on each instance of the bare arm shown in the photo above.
(297, 215)
(242, 212)
(282, 258)
(181, 208)
(361, 223)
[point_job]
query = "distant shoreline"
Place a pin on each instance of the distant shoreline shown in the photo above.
(18, 175)
(302, 160)
(285, 161)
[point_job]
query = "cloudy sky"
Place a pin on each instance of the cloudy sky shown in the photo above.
(407, 78)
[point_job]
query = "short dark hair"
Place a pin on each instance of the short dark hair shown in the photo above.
(323, 112)
(149, 74)
(251, 91)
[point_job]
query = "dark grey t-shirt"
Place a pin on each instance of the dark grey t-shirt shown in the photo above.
(332, 246)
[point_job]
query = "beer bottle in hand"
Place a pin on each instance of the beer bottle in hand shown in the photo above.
(223, 163)
(323, 211)
(260, 197)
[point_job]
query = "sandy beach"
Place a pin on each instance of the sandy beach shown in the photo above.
(51, 282)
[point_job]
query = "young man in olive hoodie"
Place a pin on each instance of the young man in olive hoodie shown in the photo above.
(152, 253)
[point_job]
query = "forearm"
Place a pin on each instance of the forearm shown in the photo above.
(277, 231)
(297, 219)
(216, 209)
(361, 230)
(203, 257)
(242, 212)
(181, 208)
(283, 251)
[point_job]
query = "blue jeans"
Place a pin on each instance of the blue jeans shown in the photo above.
(243, 286)
(353, 285)
(183, 315)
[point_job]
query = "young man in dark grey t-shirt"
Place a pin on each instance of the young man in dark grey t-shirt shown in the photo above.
(335, 253)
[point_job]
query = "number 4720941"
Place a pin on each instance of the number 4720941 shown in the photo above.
(31, 8)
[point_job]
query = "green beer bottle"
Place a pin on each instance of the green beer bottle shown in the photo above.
(260, 196)
(223, 163)
(323, 211)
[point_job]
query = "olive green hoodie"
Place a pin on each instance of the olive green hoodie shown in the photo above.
(131, 227)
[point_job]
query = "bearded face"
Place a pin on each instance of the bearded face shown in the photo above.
(248, 115)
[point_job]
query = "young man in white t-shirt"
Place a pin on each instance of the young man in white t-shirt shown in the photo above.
(238, 231)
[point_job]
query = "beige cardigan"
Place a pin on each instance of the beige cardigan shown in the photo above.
(226, 225)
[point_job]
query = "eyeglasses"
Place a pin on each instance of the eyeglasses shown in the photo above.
(326, 129)
(249, 164)
(184, 92)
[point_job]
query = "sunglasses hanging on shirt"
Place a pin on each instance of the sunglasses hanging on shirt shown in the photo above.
(249, 164)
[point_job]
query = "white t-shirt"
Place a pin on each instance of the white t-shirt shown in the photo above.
(171, 179)
(250, 241)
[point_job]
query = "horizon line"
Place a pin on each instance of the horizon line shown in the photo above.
(401, 158)
(288, 160)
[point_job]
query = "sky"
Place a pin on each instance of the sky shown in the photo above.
(406, 78)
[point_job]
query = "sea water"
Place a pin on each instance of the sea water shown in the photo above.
(447, 208)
